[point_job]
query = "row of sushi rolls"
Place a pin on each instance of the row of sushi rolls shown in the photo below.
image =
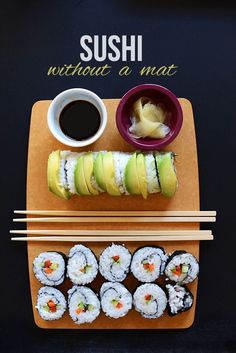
(146, 264)
(117, 173)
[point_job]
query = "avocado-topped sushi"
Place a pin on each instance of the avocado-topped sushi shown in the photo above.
(83, 303)
(116, 300)
(182, 267)
(49, 268)
(114, 172)
(114, 263)
(51, 303)
(148, 263)
(150, 300)
(82, 265)
(179, 299)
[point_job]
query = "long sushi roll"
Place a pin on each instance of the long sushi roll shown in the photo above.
(148, 263)
(114, 172)
(114, 263)
(116, 300)
(51, 303)
(82, 266)
(180, 299)
(150, 300)
(49, 268)
(83, 303)
(182, 267)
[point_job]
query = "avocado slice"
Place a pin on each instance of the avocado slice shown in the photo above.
(88, 172)
(109, 174)
(53, 171)
(80, 182)
(142, 177)
(166, 173)
(99, 172)
(131, 176)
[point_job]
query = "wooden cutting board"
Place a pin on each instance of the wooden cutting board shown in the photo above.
(42, 143)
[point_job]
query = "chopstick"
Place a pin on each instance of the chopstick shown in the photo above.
(117, 238)
(112, 232)
(117, 213)
(114, 219)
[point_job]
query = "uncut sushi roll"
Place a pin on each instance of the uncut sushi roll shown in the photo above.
(82, 266)
(49, 268)
(51, 303)
(148, 263)
(114, 263)
(150, 300)
(116, 300)
(180, 299)
(83, 303)
(182, 267)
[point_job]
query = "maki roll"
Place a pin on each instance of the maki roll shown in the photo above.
(49, 268)
(166, 173)
(150, 300)
(51, 303)
(182, 267)
(148, 263)
(84, 306)
(179, 299)
(82, 265)
(116, 300)
(56, 174)
(114, 263)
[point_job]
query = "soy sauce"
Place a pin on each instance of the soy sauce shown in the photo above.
(80, 120)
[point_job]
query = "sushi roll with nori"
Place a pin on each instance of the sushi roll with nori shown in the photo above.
(150, 300)
(182, 267)
(179, 299)
(114, 263)
(148, 263)
(116, 300)
(82, 266)
(51, 303)
(49, 268)
(83, 303)
(56, 174)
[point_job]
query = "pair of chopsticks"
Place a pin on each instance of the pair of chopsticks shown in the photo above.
(117, 217)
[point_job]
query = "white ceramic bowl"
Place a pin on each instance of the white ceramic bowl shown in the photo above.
(66, 97)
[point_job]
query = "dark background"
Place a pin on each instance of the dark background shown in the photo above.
(199, 37)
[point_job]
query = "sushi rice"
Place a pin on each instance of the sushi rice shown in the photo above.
(153, 185)
(182, 267)
(82, 267)
(71, 161)
(49, 268)
(116, 300)
(179, 298)
(114, 263)
(148, 263)
(51, 303)
(150, 300)
(83, 303)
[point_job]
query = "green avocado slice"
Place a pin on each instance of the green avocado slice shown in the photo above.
(53, 170)
(88, 172)
(131, 176)
(142, 177)
(99, 172)
(166, 173)
(80, 182)
(109, 174)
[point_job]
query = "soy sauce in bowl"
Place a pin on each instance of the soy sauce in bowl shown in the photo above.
(80, 120)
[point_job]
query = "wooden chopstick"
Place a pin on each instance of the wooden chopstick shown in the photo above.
(118, 238)
(118, 213)
(112, 232)
(114, 219)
